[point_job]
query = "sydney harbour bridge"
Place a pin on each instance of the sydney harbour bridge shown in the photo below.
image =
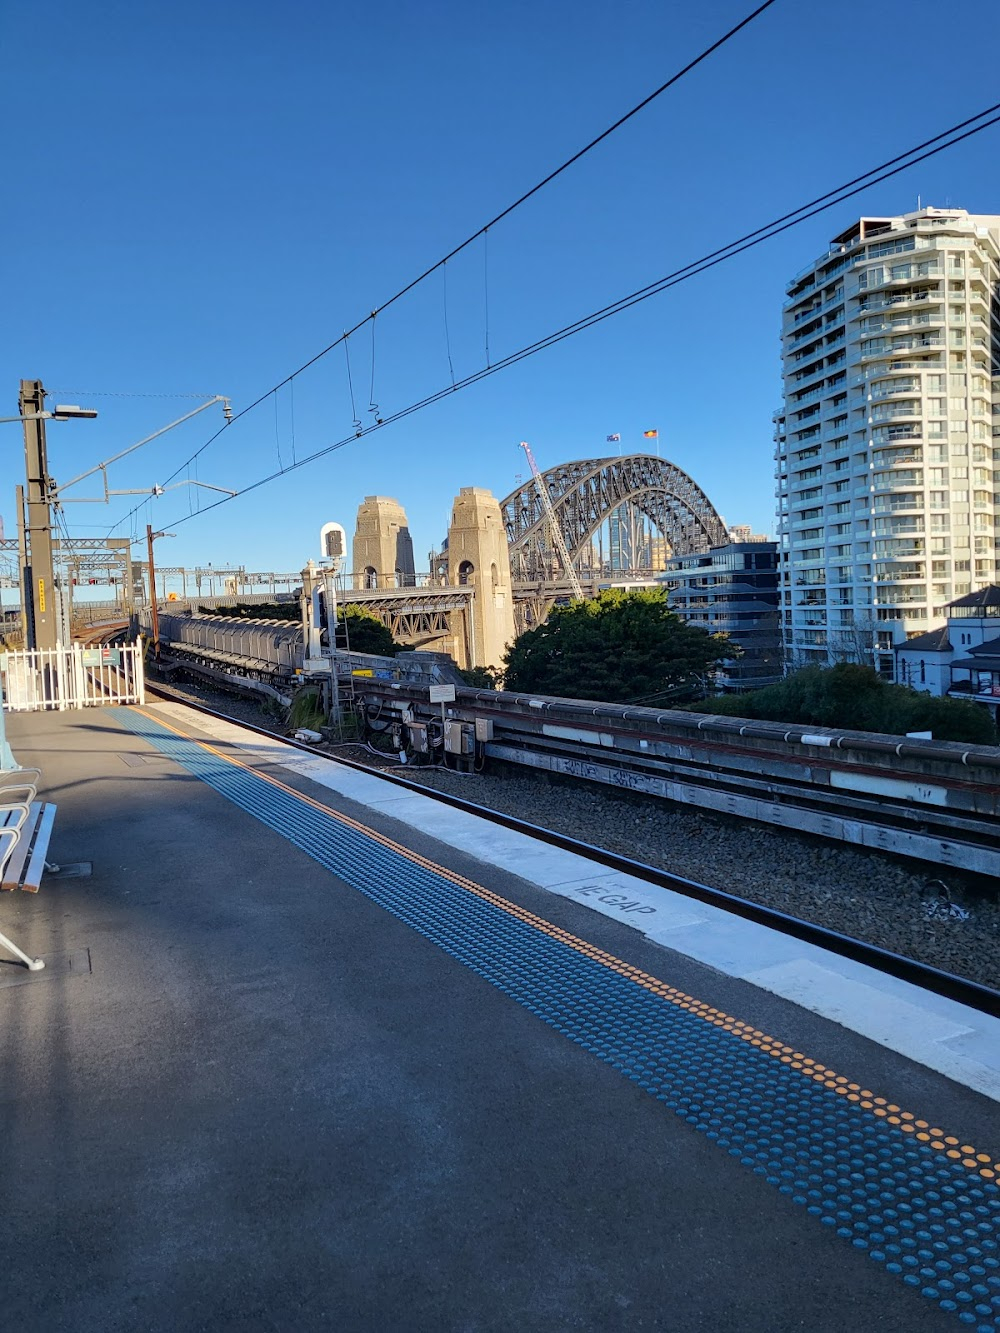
(620, 518)
(615, 520)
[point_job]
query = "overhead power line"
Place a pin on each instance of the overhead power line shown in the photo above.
(483, 231)
(822, 203)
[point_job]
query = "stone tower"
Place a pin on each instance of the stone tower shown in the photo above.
(383, 548)
(478, 557)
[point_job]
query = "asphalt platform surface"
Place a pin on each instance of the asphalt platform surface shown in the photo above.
(242, 1095)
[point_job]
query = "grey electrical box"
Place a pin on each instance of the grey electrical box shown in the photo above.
(418, 737)
(458, 737)
(484, 728)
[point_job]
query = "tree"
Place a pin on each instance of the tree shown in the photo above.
(620, 647)
(481, 677)
(856, 698)
(362, 632)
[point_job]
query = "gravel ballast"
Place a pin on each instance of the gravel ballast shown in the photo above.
(923, 912)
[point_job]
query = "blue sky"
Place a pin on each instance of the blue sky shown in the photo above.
(201, 197)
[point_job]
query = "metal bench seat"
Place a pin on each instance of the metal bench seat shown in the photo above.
(25, 831)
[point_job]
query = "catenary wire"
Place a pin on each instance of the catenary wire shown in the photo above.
(484, 229)
(901, 162)
(823, 203)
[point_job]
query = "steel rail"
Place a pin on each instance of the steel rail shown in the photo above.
(961, 989)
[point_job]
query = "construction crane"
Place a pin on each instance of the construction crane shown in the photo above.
(550, 514)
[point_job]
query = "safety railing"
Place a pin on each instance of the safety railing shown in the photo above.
(75, 676)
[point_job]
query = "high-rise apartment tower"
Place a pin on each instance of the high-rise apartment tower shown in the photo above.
(888, 446)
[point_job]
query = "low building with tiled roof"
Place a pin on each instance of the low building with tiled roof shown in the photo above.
(960, 658)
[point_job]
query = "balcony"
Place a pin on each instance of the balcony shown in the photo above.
(900, 527)
(902, 345)
(883, 435)
(806, 335)
(885, 481)
(899, 575)
(896, 412)
(910, 597)
(892, 387)
(871, 304)
(888, 458)
(886, 503)
(902, 550)
(919, 272)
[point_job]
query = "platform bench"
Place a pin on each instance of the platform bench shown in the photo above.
(25, 831)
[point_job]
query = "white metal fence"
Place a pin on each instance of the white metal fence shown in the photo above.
(77, 676)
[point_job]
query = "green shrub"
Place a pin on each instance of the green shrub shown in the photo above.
(855, 698)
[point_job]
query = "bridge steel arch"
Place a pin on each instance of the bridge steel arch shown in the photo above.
(586, 493)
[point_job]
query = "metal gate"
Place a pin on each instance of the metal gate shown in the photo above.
(77, 676)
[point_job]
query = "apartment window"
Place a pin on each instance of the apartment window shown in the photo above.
(935, 384)
(842, 508)
(962, 566)
(937, 476)
(936, 407)
(956, 404)
(812, 494)
(937, 453)
(939, 499)
(959, 473)
(959, 449)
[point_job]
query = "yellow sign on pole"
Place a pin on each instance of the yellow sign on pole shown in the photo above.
(366, 672)
(41, 595)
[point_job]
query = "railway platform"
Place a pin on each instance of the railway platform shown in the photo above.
(312, 1051)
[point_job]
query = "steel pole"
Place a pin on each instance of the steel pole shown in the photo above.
(27, 602)
(38, 574)
(152, 595)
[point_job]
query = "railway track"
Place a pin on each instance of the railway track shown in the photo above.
(935, 802)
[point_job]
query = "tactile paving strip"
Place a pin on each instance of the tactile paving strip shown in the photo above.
(928, 1219)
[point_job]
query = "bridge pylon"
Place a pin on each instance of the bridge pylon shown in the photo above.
(478, 557)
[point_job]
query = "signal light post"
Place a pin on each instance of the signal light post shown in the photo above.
(40, 609)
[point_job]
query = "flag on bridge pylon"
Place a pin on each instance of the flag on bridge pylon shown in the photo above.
(614, 439)
(650, 434)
